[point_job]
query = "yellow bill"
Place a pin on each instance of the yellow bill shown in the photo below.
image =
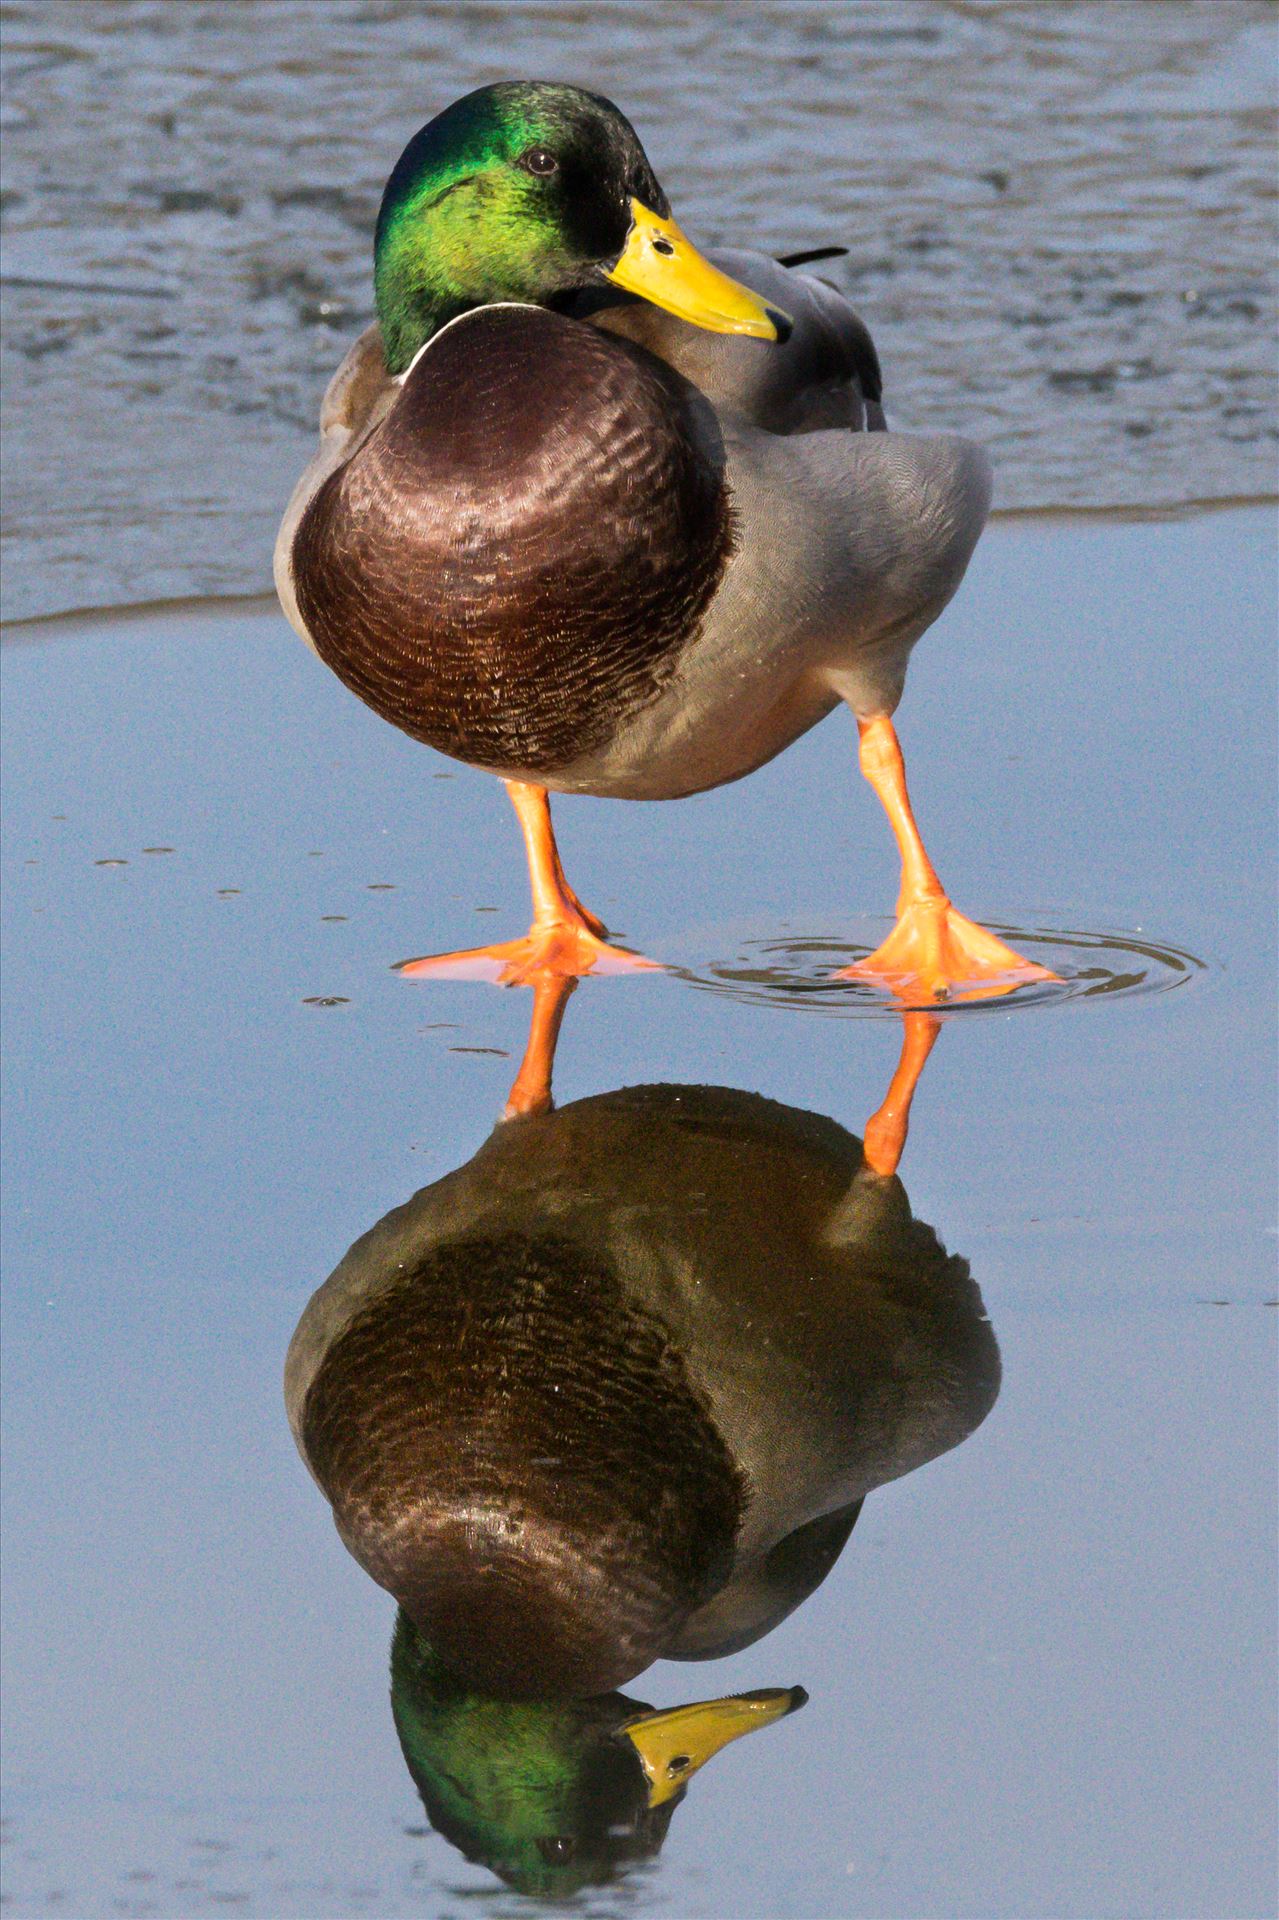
(674, 1744)
(660, 265)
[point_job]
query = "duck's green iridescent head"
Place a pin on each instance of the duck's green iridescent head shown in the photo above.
(529, 191)
(555, 1795)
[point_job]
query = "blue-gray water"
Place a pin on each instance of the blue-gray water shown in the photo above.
(1041, 1675)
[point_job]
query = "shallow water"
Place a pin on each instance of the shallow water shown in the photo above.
(1040, 1675)
(1059, 222)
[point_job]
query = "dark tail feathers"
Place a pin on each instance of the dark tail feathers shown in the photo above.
(806, 257)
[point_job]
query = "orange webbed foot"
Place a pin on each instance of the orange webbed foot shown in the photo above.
(565, 940)
(568, 948)
(935, 953)
(591, 921)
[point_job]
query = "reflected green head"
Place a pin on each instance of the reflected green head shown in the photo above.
(544, 1793)
(519, 191)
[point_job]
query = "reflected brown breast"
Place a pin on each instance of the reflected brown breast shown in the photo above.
(515, 1450)
(512, 563)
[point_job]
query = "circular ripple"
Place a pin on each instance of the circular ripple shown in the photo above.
(796, 971)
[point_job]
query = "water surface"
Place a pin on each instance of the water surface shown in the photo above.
(1041, 1674)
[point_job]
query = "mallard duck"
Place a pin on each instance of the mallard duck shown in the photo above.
(556, 1795)
(615, 1389)
(597, 515)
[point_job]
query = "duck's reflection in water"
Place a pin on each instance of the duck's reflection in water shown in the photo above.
(613, 1391)
(554, 1795)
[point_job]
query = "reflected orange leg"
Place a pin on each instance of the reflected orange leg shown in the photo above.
(564, 938)
(531, 1091)
(934, 952)
(888, 1126)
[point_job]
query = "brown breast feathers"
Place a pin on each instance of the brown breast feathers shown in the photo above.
(515, 1450)
(512, 562)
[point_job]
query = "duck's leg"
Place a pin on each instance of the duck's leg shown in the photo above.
(934, 952)
(563, 939)
(531, 1090)
(885, 1135)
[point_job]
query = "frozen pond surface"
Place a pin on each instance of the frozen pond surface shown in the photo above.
(1041, 1675)
(1059, 222)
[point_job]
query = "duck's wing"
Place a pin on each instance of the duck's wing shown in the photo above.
(758, 1597)
(355, 400)
(359, 392)
(826, 374)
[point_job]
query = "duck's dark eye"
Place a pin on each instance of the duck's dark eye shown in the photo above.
(540, 161)
(556, 1848)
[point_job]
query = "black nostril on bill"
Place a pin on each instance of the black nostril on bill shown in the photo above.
(663, 247)
(782, 322)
